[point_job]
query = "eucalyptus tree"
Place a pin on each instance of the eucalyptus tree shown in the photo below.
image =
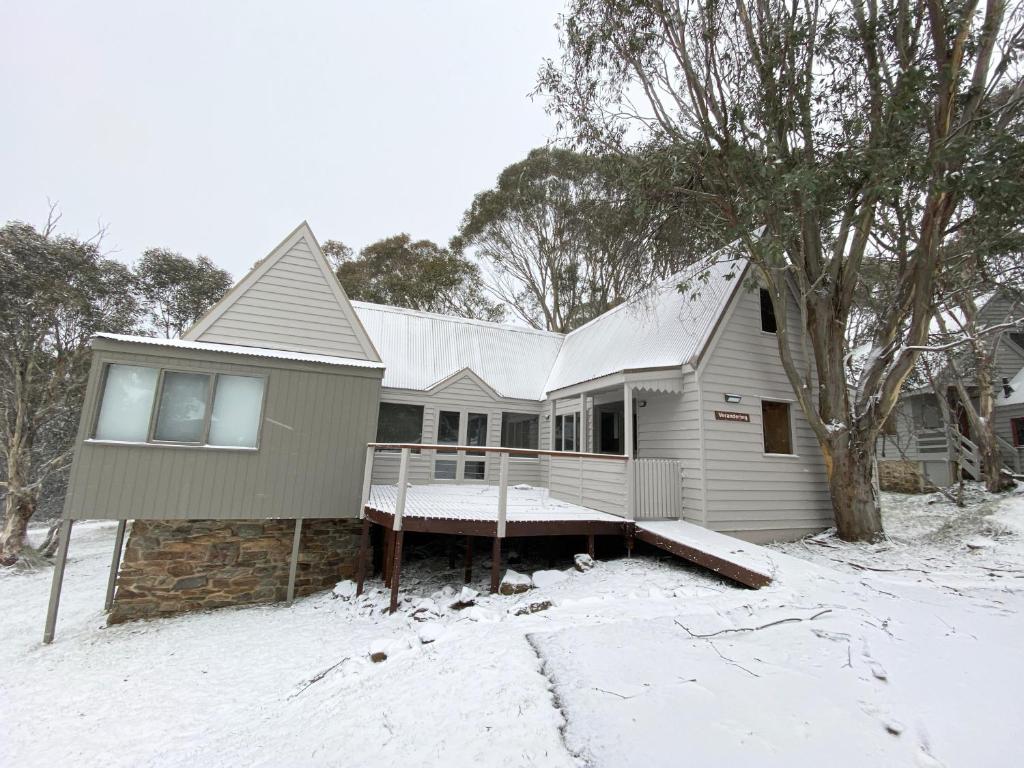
(177, 290)
(824, 136)
(418, 274)
(57, 292)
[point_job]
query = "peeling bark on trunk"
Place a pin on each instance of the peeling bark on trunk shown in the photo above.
(855, 503)
(18, 511)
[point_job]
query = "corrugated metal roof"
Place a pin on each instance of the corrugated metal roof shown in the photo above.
(421, 349)
(237, 349)
(665, 328)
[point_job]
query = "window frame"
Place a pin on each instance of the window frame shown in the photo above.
(211, 395)
(423, 413)
(1017, 431)
(763, 294)
(559, 431)
(789, 422)
(535, 417)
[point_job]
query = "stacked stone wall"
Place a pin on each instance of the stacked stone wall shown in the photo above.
(901, 476)
(176, 566)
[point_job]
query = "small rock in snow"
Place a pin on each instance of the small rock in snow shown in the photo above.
(978, 543)
(429, 633)
(467, 597)
(346, 590)
(534, 606)
(543, 579)
(878, 670)
(523, 487)
(583, 562)
(513, 583)
(379, 649)
(895, 727)
(425, 610)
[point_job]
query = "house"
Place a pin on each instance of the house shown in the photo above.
(918, 449)
(674, 406)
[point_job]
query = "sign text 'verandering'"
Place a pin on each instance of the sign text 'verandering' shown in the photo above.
(731, 416)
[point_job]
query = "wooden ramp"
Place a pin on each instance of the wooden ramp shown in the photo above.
(737, 560)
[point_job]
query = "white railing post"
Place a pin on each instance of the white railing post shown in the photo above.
(367, 480)
(403, 487)
(502, 495)
(627, 436)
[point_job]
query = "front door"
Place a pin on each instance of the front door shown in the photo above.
(461, 428)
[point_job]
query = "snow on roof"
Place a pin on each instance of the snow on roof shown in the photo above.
(236, 349)
(665, 328)
(1017, 396)
(421, 349)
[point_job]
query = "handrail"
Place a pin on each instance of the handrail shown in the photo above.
(496, 449)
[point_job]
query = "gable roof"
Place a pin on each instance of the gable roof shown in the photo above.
(666, 328)
(292, 301)
(422, 349)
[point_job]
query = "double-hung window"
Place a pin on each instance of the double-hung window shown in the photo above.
(151, 405)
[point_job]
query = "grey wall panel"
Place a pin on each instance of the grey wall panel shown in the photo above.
(317, 420)
(747, 489)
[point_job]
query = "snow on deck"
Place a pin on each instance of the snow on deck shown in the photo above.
(480, 502)
(748, 563)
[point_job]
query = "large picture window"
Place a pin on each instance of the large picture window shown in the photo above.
(141, 404)
(520, 430)
(778, 429)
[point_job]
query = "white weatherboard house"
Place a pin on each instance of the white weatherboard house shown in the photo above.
(670, 408)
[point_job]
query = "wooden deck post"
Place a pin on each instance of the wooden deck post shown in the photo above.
(367, 480)
(398, 533)
(468, 563)
(294, 564)
(115, 561)
(58, 581)
(364, 546)
(389, 550)
(591, 545)
(396, 571)
(495, 564)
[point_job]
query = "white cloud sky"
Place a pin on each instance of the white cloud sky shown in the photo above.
(217, 127)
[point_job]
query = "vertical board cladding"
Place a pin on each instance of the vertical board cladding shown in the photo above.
(668, 427)
(748, 491)
(316, 422)
(291, 306)
(465, 394)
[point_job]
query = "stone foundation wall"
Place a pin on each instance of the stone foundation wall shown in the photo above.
(901, 476)
(176, 566)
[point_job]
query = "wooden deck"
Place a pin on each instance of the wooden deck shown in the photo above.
(473, 511)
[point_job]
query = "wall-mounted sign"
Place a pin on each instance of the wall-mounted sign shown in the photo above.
(731, 416)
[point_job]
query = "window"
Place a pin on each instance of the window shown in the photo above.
(128, 394)
(1017, 431)
(476, 434)
(181, 417)
(141, 404)
(567, 432)
(520, 430)
(400, 423)
(778, 430)
(768, 324)
(447, 434)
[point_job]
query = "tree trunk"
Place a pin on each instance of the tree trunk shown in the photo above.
(991, 461)
(18, 510)
(855, 503)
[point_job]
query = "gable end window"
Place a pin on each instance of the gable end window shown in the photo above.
(1017, 431)
(768, 324)
(777, 426)
(140, 404)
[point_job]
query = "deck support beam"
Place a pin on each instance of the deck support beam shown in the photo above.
(294, 564)
(495, 564)
(468, 563)
(591, 545)
(115, 561)
(396, 570)
(58, 581)
(364, 546)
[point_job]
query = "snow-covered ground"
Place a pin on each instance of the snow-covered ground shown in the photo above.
(903, 653)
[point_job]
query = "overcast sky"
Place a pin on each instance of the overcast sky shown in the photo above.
(216, 127)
